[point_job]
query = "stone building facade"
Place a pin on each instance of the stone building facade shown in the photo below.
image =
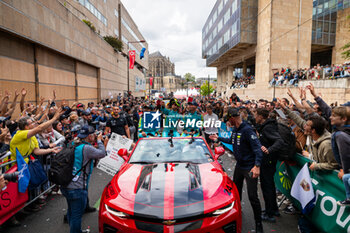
(162, 70)
(159, 65)
(263, 36)
(44, 45)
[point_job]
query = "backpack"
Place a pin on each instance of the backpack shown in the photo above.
(61, 170)
(288, 152)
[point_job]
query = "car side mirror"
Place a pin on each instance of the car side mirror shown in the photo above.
(123, 153)
(219, 151)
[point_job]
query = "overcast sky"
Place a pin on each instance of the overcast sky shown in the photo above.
(174, 28)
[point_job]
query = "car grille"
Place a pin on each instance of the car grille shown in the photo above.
(230, 228)
(181, 227)
(179, 220)
(109, 229)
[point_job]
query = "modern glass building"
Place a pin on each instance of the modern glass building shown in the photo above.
(230, 23)
(324, 20)
(259, 37)
(233, 23)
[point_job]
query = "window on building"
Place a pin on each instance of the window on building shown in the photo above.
(214, 32)
(116, 13)
(226, 36)
(215, 15)
(227, 16)
(220, 7)
(234, 29)
(234, 6)
(320, 9)
(219, 45)
(220, 24)
(332, 4)
(136, 38)
(93, 10)
(333, 27)
(326, 27)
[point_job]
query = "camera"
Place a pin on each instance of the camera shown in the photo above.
(11, 177)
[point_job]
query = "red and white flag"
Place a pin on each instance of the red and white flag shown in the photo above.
(131, 59)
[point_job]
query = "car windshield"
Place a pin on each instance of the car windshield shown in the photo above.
(162, 151)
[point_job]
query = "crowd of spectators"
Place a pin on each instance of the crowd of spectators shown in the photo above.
(242, 82)
(321, 131)
(289, 77)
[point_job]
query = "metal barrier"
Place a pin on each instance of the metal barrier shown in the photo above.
(6, 163)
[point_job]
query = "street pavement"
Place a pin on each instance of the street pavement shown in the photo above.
(50, 218)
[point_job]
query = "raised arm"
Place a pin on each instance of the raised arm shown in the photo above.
(325, 108)
(23, 95)
(296, 102)
(45, 125)
(4, 103)
(300, 122)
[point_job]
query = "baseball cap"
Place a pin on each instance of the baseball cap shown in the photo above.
(233, 112)
(86, 131)
(63, 117)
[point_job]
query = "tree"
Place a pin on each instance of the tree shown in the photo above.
(346, 48)
(190, 78)
(204, 89)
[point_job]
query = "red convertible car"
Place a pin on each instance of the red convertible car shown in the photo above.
(170, 185)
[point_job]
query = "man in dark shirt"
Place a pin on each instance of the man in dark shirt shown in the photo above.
(247, 151)
(117, 124)
(272, 144)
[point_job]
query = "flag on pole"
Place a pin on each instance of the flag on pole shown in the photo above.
(151, 81)
(303, 191)
(142, 54)
(24, 175)
(131, 59)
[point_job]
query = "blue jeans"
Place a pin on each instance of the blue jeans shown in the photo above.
(76, 200)
(346, 180)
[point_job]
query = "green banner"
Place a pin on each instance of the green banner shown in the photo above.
(327, 216)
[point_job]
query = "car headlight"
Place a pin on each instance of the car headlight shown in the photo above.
(224, 209)
(116, 212)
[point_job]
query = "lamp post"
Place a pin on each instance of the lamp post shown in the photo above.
(127, 64)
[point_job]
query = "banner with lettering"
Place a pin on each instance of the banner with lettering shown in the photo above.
(327, 216)
(225, 132)
(112, 162)
(140, 84)
(131, 59)
(11, 201)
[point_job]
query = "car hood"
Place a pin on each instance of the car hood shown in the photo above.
(172, 190)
